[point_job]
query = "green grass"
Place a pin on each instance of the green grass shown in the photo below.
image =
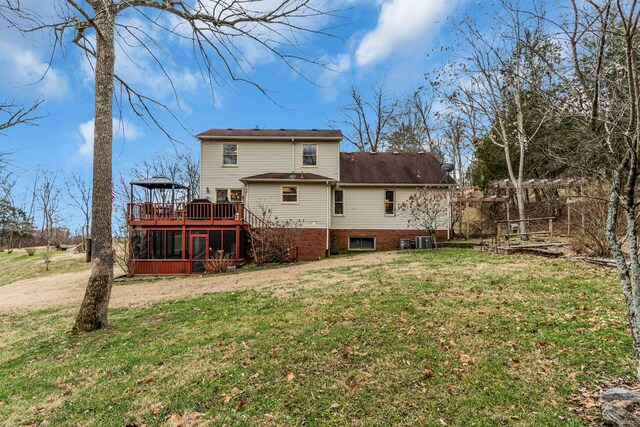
(19, 266)
(451, 335)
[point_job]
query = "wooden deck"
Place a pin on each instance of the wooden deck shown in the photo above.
(167, 214)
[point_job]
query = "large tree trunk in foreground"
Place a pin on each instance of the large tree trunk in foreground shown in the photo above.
(93, 312)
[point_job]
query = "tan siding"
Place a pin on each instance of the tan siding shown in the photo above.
(328, 160)
(364, 209)
(258, 157)
(311, 206)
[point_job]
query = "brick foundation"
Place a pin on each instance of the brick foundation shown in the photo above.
(386, 240)
(311, 241)
(311, 244)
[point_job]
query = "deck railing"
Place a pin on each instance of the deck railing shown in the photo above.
(196, 211)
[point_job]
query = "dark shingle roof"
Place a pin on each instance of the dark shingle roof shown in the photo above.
(392, 168)
(277, 176)
(158, 182)
(272, 133)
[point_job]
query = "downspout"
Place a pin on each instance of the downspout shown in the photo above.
(328, 219)
(449, 213)
(246, 194)
(293, 155)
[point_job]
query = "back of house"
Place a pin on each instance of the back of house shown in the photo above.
(339, 201)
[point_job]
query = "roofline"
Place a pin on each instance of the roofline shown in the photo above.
(392, 184)
(320, 181)
(270, 138)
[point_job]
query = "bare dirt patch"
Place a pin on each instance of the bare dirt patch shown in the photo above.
(67, 289)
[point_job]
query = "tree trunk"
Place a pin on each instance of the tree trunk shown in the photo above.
(93, 311)
(522, 213)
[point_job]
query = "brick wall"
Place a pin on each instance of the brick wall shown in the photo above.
(311, 244)
(311, 241)
(386, 240)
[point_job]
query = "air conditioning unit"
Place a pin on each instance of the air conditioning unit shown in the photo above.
(406, 244)
(424, 242)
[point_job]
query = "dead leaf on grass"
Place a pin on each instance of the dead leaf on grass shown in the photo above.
(428, 373)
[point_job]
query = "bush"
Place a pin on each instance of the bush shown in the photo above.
(30, 251)
(216, 265)
(274, 241)
(588, 221)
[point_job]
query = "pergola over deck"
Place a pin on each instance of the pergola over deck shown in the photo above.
(158, 183)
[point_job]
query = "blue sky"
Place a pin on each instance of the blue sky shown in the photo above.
(390, 41)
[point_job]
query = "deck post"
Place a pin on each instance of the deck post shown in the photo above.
(237, 242)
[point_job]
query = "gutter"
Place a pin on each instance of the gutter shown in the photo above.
(394, 184)
(326, 251)
(316, 181)
(267, 138)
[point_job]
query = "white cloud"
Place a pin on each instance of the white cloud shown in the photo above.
(331, 78)
(22, 68)
(121, 129)
(401, 24)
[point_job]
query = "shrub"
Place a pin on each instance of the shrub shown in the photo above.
(588, 221)
(30, 251)
(217, 264)
(274, 241)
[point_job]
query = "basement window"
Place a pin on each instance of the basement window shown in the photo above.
(362, 243)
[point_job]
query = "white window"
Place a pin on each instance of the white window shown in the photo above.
(389, 202)
(310, 154)
(338, 202)
(230, 154)
(289, 194)
(362, 243)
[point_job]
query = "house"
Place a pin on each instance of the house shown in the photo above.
(339, 201)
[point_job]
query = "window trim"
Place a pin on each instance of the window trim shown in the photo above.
(334, 202)
(282, 201)
(229, 190)
(395, 202)
(222, 159)
(317, 157)
(375, 244)
(235, 189)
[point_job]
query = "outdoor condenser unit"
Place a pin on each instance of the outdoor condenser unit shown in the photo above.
(424, 242)
(406, 244)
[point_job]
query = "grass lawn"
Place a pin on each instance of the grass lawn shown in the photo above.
(18, 265)
(450, 336)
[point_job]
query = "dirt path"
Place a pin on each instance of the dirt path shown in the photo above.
(67, 289)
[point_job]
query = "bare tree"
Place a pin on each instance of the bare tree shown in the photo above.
(79, 191)
(181, 167)
(48, 197)
(603, 89)
(215, 30)
(457, 144)
(415, 126)
(368, 119)
(496, 80)
(426, 210)
(12, 114)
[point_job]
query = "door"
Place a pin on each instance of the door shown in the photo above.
(199, 245)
